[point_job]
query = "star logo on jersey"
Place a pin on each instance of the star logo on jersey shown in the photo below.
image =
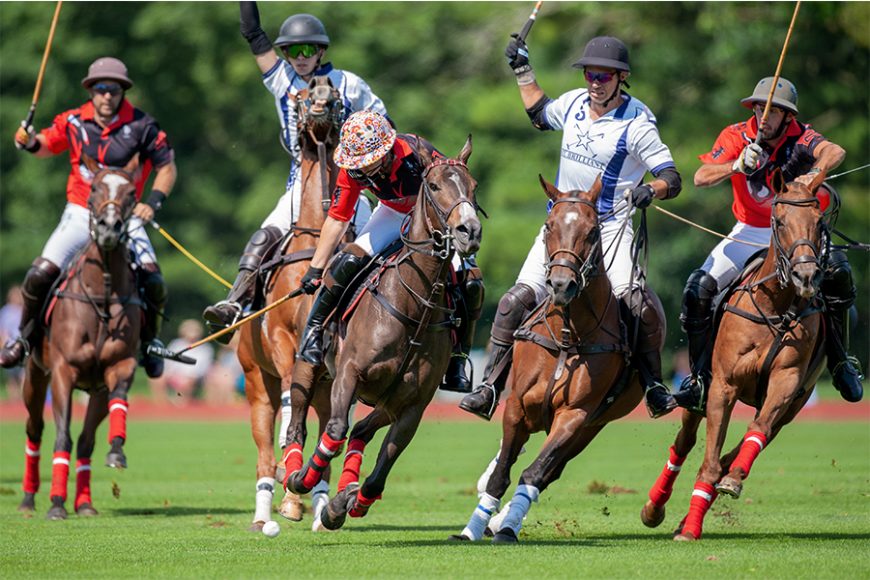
(584, 140)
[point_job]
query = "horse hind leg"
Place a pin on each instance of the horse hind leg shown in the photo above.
(97, 411)
(34, 392)
(264, 409)
(63, 381)
(653, 512)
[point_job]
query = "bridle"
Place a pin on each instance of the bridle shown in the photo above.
(583, 269)
(97, 213)
(785, 260)
(308, 121)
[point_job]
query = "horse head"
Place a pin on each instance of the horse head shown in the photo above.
(798, 234)
(572, 239)
(319, 114)
(449, 196)
(111, 201)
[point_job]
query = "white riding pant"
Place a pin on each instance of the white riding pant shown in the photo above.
(384, 228)
(617, 260)
(729, 257)
(289, 207)
(73, 233)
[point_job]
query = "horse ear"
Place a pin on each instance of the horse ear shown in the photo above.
(132, 166)
(817, 181)
(596, 188)
(466, 151)
(549, 188)
(91, 163)
(777, 182)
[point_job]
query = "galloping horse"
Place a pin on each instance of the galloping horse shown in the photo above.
(570, 374)
(268, 345)
(395, 348)
(767, 353)
(91, 344)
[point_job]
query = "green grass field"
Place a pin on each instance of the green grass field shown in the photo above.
(188, 498)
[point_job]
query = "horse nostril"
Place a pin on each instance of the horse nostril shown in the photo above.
(462, 230)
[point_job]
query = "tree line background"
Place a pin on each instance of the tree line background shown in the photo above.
(440, 69)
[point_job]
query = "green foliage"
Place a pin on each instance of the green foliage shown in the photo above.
(440, 70)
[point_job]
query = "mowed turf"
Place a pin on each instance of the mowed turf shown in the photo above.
(185, 503)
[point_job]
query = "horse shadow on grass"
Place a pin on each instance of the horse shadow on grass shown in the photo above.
(177, 511)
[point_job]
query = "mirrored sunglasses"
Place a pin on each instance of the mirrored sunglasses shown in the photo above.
(599, 77)
(306, 50)
(111, 88)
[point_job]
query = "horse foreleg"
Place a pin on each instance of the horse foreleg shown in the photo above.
(568, 437)
(653, 512)
(296, 431)
(34, 390)
(62, 383)
(259, 391)
(97, 411)
(119, 381)
(719, 406)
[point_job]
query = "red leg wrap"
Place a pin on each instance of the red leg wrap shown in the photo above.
(352, 462)
(753, 443)
(702, 499)
(361, 508)
(60, 474)
(83, 482)
(30, 484)
(292, 459)
(326, 450)
(664, 485)
(117, 419)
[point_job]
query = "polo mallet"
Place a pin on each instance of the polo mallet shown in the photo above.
(29, 120)
(180, 357)
(188, 255)
(527, 27)
(767, 105)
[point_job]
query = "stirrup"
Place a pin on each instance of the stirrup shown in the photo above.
(692, 394)
(851, 361)
(230, 303)
(491, 411)
(659, 412)
(25, 346)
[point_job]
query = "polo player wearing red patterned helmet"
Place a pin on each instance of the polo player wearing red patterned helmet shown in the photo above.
(801, 153)
(110, 130)
(371, 155)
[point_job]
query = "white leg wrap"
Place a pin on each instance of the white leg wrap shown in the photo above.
(265, 491)
(319, 498)
(484, 478)
(495, 524)
(286, 414)
(487, 505)
(520, 504)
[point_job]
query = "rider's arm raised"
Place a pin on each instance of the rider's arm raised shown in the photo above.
(249, 24)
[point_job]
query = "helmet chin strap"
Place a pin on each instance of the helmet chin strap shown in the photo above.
(616, 91)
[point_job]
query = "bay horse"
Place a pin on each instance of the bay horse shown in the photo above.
(768, 353)
(394, 349)
(267, 345)
(91, 344)
(571, 373)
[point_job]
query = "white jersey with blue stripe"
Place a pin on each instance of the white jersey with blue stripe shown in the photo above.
(620, 146)
(283, 82)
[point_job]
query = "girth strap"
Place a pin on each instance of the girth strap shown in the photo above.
(410, 322)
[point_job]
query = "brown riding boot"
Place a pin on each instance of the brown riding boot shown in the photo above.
(37, 283)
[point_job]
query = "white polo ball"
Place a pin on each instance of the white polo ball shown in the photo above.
(271, 529)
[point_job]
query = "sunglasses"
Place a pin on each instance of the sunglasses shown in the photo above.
(306, 50)
(599, 77)
(113, 89)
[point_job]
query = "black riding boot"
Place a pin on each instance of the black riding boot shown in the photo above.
(697, 322)
(839, 292)
(641, 313)
(226, 312)
(512, 310)
(341, 273)
(154, 293)
(469, 302)
(37, 283)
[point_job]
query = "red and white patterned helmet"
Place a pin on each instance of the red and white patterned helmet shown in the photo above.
(366, 137)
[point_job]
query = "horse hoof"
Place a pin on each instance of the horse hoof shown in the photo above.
(652, 515)
(28, 504)
(488, 533)
(257, 527)
(505, 536)
(291, 507)
(334, 514)
(294, 483)
(116, 460)
(56, 513)
(729, 486)
(87, 510)
(458, 538)
(330, 520)
(685, 538)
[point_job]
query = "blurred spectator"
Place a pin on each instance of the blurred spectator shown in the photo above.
(223, 376)
(681, 366)
(181, 382)
(10, 320)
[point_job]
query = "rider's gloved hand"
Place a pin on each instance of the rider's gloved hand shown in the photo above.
(311, 280)
(25, 138)
(751, 159)
(642, 195)
(517, 54)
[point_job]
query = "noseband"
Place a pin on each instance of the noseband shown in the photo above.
(785, 261)
(583, 269)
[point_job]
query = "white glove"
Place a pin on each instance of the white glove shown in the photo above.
(751, 159)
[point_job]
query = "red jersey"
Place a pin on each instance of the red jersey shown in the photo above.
(794, 155)
(397, 191)
(132, 131)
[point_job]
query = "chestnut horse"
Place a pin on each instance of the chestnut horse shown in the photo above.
(91, 344)
(267, 346)
(395, 348)
(768, 353)
(570, 374)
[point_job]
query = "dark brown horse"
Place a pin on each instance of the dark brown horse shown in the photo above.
(767, 353)
(395, 348)
(570, 374)
(268, 345)
(91, 344)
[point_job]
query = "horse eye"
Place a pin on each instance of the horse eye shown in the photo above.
(434, 186)
(593, 235)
